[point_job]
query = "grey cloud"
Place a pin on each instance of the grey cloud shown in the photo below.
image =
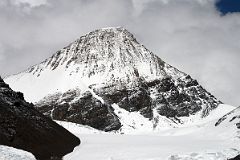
(188, 34)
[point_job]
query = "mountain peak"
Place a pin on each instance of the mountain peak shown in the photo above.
(98, 44)
(117, 30)
(107, 72)
(106, 52)
(104, 56)
(115, 34)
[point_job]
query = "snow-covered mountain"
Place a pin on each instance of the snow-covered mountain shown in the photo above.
(106, 79)
(107, 56)
(23, 127)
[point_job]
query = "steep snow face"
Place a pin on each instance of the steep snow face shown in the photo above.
(10, 153)
(232, 117)
(104, 56)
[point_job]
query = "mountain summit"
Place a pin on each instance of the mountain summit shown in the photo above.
(108, 80)
(110, 55)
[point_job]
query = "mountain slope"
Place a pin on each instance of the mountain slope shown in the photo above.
(205, 141)
(104, 56)
(89, 79)
(23, 127)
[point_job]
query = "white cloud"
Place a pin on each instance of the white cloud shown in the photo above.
(1, 53)
(189, 34)
(32, 3)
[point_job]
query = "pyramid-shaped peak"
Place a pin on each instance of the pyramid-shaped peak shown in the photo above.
(101, 48)
(118, 29)
(108, 65)
(109, 33)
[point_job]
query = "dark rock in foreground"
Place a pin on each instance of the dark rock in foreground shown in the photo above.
(23, 127)
(235, 158)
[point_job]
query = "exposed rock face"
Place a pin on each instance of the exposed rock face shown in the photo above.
(85, 110)
(23, 127)
(118, 70)
(172, 98)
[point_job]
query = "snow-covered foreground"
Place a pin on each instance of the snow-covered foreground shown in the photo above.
(205, 142)
(145, 147)
(202, 141)
(10, 153)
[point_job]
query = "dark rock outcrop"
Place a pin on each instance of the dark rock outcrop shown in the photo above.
(235, 158)
(171, 98)
(23, 127)
(182, 97)
(85, 110)
(132, 100)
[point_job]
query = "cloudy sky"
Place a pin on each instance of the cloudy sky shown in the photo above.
(191, 35)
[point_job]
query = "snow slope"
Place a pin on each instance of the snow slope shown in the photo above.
(10, 153)
(200, 142)
(135, 123)
(149, 147)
